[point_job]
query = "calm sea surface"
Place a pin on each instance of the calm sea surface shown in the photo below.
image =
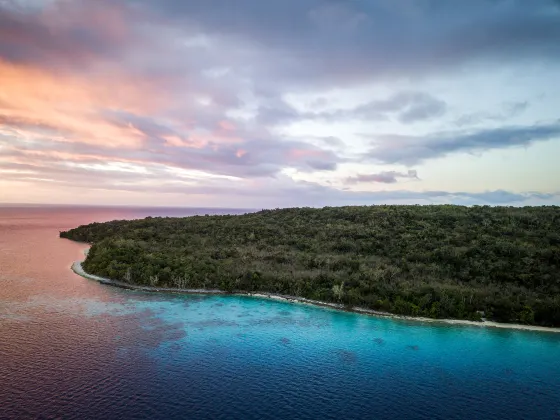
(72, 348)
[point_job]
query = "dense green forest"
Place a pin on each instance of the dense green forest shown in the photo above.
(502, 263)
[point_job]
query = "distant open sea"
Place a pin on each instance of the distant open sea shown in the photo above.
(71, 348)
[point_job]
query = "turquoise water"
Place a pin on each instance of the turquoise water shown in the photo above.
(296, 360)
(72, 348)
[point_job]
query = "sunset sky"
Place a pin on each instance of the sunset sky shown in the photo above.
(262, 103)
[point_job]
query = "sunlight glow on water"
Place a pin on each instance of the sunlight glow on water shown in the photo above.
(73, 348)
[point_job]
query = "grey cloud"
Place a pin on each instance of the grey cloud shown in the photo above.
(501, 197)
(415, 149)
(263, 155)
(270, 48)
(275, 111)
(386, 177)
(508, 111)
(498, 197)
(406, 107)
(290, 45)
(297, 44)
(427, 108)
(101, 37)
(31, 35)
(262, 191)
(321, 165)
(512, 109)
(282, 191)
(147, 125)
(331, 141)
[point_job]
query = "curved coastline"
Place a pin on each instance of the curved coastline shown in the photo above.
(78, 269)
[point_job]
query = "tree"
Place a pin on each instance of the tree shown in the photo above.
(435, 261)
(154, 280)
(128, 276)
(338, 291)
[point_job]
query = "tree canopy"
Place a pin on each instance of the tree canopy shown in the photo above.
(445, 261)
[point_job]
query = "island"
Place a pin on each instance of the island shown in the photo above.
(437, 261)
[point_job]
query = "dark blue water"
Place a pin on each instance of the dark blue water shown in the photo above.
(71, 348)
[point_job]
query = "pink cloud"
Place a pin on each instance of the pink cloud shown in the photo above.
(85, 85)
(227, 125)
(306, 153)
(73, 104)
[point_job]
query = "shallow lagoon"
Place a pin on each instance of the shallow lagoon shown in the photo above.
(73, 348)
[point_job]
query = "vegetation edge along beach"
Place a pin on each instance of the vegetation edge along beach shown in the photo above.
(475, 263)
(78, 269)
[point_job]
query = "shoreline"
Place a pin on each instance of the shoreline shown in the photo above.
(78, 269)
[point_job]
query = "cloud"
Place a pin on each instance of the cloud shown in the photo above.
(73, 106)
(240, 157)
(257, 192)
(146, 106)
(509, 110)
(135, 94)
(289, 46)
(405, 107)
(297, 43)
(63, 34)
(386, 177)
(412, 150)
(331, 141)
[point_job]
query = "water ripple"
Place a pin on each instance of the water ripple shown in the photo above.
(74, 349)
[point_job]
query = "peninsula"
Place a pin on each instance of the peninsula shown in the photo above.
(466, 263)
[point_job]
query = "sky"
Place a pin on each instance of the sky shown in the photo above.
(264, 104)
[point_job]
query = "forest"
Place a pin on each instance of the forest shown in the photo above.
(437, 261)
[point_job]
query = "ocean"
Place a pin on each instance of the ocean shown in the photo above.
(71, 348)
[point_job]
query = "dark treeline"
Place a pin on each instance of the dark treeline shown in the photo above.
(502, 263)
